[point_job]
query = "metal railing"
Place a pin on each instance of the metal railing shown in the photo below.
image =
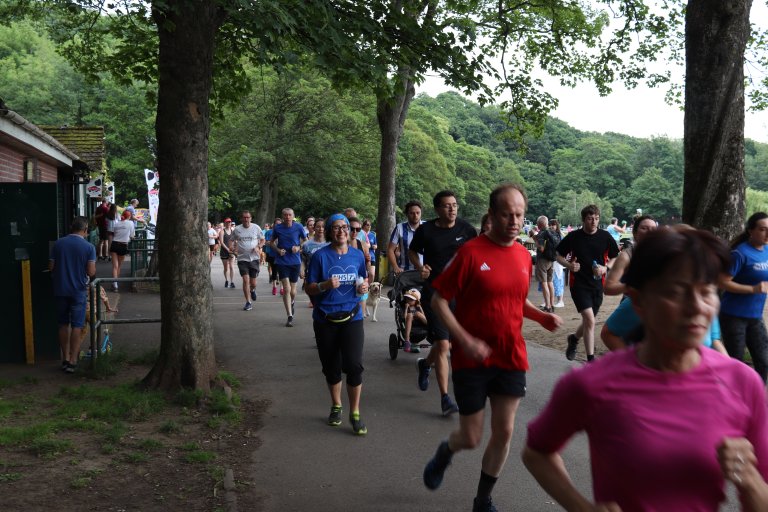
(96, 312)
(141, 250)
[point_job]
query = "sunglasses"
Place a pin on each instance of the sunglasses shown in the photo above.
(355, 229)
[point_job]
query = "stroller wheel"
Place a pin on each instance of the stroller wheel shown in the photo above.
(393, 346)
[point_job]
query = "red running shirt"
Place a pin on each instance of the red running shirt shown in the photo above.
(490, 285)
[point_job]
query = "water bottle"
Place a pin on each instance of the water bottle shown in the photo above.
(595, 270)
(358, 282)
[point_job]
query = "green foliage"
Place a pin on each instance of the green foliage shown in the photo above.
(170, 427)
(126, 402)
(63, 96)
(570, 204)
(656, 196)
(296, 134)
(757, 201)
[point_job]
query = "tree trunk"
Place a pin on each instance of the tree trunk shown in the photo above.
(391, 114)
(265, 210)
(185, 66)
(714, 189)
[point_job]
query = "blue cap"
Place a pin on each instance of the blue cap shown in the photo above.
(337, 216)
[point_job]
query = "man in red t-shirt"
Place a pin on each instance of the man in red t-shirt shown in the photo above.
(489, 279)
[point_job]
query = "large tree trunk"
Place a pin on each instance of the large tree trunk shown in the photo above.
(265, 210)
(391, 114)
(185, 65)
(715, 36)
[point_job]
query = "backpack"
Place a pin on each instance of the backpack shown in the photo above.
(549, 243)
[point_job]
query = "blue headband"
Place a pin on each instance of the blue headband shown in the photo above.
(337, 216)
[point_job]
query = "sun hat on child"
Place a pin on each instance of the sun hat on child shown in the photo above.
(413, 294)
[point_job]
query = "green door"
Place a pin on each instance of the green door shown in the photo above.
(29, 216)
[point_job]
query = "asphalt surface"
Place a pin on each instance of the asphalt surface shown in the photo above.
(305, 465)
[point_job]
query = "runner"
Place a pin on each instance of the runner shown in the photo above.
(212, 238)
(401, 237)
(489, 280)
(741, 311)
(310, 247)
(592, 251)
(270, 252)
(227, 258)
(245, 243)
(286, 241)
(437, 241)
(334, 272)
(668, 422)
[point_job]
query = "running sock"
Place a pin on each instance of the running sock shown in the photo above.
(485, 485)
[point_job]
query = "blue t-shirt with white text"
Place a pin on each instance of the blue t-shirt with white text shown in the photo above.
(326, 263)
(748, 266)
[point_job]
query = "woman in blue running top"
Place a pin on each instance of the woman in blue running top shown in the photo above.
(741, 308)
(336, 279)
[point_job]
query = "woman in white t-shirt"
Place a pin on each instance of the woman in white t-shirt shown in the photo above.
(124, 231)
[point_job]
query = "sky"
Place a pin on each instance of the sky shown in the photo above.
(641, 112)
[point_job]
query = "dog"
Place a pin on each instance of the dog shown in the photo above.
(374, 294)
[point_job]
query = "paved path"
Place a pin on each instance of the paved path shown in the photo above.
(305, 465)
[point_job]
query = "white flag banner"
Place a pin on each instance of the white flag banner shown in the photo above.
(153, 192)
(93, 189)
(109, 192)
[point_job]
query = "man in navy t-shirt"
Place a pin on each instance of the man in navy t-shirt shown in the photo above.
(286, 242)
(72, 263)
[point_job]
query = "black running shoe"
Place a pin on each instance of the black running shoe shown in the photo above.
(483, 505)
(435, 468)
(358, 427)
(334, 419)
(289, 323)
(253, 295)
(570, 352)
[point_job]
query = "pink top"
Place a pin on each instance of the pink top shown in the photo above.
(653, 436)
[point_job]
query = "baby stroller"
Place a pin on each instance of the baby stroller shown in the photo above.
(404, 282)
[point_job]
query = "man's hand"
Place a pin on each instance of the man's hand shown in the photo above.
(425, 271)
(551, 322)
(475, 348)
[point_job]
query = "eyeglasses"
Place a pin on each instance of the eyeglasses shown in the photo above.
(355, 229)
(343, 227)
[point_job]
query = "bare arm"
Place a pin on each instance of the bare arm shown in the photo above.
(573, 266)
(611, 341)
(549, 470)
(392, 258)
(727, 284)
(613, 284)
(91, 269)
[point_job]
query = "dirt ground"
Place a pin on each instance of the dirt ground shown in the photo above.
(534, 333)
(135, 475)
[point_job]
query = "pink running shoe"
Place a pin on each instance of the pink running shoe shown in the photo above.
(282, 291)
(274, 290)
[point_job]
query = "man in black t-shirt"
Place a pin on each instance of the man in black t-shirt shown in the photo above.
(438, 240)
(591, 250)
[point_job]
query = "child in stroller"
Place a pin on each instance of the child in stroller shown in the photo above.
(413, 313)
(410, 320)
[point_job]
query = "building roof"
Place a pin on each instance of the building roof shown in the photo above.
(22, 130)
(86, 141)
